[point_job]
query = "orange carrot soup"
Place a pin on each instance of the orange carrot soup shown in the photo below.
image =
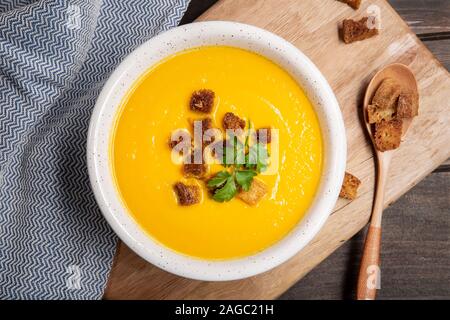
(246, 208)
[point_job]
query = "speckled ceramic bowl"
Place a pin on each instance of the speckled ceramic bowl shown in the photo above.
(216, 33)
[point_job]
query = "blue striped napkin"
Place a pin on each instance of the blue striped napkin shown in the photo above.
(54, 59)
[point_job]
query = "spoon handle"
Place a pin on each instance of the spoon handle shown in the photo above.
(369, 272)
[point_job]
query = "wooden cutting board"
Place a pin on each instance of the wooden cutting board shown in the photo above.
(312, 26)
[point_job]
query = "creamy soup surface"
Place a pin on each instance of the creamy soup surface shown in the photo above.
(248, 85)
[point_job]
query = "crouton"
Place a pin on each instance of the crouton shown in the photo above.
(193, 169)
(387, 94)
(408, 105)
(352, 3)
(206, 124)
(388, 134)
(257, 191)
(202, 101)
(264, 135)
(357, 30)
(375, 114)
(350, 187)
(177, 137)
(173, 143)
(217, 148)
(187, 194)
(232, 121)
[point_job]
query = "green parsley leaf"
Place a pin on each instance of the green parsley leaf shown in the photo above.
(233, 153)
(244, 178)
(227, 152)
(245, 161)
(263, 158)
(219, 179)
(239, 156)
(247, 138)
(257, 157)
(251, 158)
(227, 192)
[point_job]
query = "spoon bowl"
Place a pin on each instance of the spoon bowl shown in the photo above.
(404, 77)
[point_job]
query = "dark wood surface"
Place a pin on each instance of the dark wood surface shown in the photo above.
(415, 251)
(416, 229)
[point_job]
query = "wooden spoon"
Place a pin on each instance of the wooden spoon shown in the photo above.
(369, 272)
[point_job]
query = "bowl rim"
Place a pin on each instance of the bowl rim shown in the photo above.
(253, 39)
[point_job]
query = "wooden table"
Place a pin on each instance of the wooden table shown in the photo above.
(416, 248)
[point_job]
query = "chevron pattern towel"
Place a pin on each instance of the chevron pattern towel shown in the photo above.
(54, 59)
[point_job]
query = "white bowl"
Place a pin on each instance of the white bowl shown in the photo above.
(237, 35)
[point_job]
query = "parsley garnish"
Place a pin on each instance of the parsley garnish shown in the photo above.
(257, 158)
(233, 153)
(225, 184)
(219, 179)
(243, 162)
(244, 178)
(227, 192)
